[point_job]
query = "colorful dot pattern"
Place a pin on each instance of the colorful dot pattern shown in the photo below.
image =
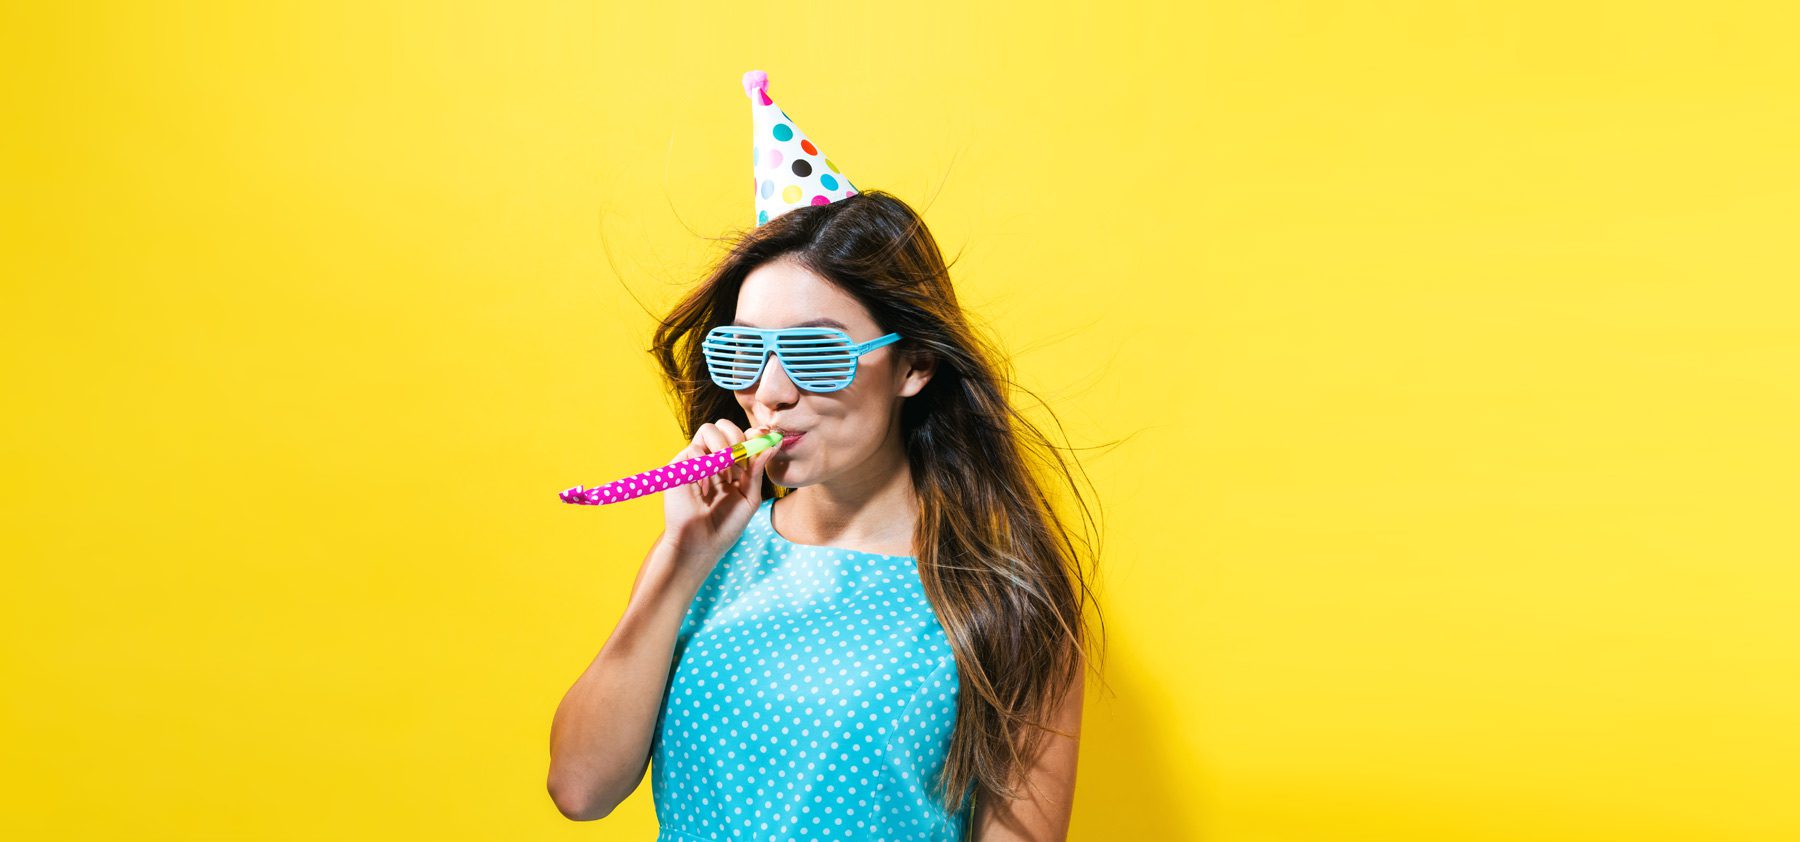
(790, 171)
(651, 481)
(812, 696)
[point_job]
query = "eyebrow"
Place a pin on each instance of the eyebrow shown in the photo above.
(808, 323)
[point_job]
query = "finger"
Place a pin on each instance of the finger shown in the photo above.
(741, 476)
(753, 467)
(714, 440)
(754, 479)
(733, 473)
(687, 453)
(712, 437)
(696, 446)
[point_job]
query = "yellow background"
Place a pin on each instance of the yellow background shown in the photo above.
(1456, 348)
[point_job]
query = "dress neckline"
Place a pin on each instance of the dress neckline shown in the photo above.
(768, 519)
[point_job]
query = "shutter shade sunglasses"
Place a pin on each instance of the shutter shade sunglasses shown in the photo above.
(817, 359)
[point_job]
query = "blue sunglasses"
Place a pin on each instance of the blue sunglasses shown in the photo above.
(817, 359)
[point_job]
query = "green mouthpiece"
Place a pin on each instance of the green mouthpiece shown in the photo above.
(753, 446)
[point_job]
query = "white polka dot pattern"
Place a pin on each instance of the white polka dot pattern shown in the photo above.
(668, 476)
(812, 697)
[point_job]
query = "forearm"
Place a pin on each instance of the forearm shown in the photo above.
(601, 736)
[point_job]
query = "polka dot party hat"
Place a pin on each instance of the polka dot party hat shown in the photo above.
(790, 171)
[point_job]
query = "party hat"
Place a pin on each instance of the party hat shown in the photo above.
(791, 172)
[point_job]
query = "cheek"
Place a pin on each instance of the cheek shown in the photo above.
(859, 428)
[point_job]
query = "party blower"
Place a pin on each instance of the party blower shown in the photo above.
(672, 474)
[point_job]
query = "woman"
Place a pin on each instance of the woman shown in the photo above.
(873, 631)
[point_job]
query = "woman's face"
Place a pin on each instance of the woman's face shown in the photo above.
(844, 429)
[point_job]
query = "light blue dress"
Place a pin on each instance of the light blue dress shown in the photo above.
(812, 696)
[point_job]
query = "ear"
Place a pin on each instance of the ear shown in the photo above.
(920, 365)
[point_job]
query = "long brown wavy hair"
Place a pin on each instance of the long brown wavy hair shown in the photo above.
(996, 559)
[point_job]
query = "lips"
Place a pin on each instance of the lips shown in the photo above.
(788, 441)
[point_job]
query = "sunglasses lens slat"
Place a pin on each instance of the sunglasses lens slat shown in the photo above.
(817, 359)
(733, 356)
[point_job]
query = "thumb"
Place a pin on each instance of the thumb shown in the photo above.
(757, 464)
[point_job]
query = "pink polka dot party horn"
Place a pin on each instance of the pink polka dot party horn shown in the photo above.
(672, 474)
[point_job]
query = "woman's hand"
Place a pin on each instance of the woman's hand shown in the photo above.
(703, 519)
(605, 728)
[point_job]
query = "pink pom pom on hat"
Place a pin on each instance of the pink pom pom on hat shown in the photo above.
(791, 172)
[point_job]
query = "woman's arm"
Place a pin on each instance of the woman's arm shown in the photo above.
(600, 739)
(1042, 815)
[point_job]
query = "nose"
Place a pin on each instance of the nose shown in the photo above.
(774, 388)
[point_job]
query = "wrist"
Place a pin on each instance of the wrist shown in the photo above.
(678, 568)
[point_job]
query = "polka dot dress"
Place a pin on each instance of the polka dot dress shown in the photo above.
(812, 697)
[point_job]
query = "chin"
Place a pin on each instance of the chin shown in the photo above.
(785, 479)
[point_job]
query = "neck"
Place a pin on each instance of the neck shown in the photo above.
(874, 510)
